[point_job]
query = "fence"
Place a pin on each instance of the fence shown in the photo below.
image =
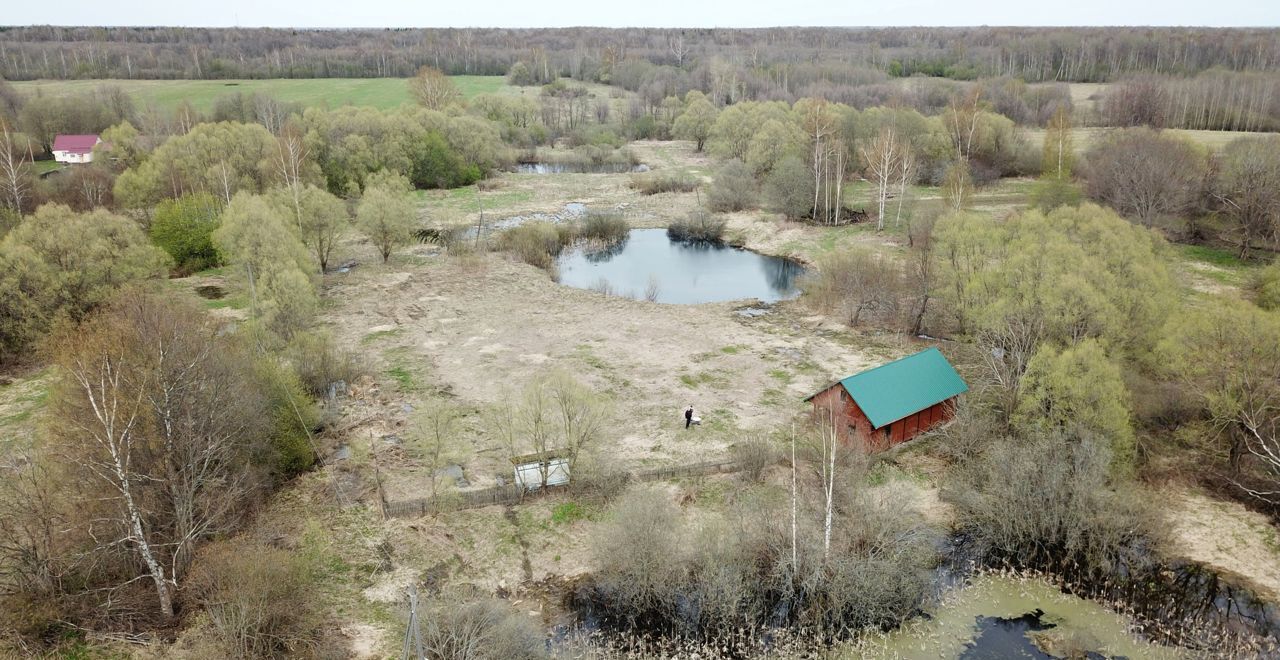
(512, 494)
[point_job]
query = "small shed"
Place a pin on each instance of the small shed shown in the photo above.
(546, 468)
(74, 148)
(892, 403)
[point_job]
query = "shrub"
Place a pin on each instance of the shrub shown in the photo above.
(737, 574)
(733, 189)
(698, 226)
(536, 243)
(857, 284)
(603, 226)
(437, 165)
(479, 630)
(754, 456)
(789, 188)
(256, 598)
(1046, 502)
(184, 228)
(293, 416)
(663, 181)
(1266, 287)
(1050, 192)
(319, 362)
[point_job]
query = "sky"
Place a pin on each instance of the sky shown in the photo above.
(638, 13)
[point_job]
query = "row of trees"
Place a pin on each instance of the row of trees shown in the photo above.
(803, 154)
(761, 60)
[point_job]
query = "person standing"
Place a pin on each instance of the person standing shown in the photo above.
(688, 417)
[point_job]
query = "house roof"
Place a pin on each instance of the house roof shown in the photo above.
(76, 144)
(889, 392)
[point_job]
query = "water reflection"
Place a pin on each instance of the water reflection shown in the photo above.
(679, 272)
(577, 168)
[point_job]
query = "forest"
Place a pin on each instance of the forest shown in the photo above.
(266, 365)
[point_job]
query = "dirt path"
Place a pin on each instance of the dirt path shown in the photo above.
(1226, 536)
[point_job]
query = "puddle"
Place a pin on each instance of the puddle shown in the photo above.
(211, 292)
(648, 265)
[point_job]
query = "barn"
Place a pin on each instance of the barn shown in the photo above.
(74, 148)
(893, 402)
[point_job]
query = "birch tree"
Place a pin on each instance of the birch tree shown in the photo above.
(161, 419)
(15, 175)
(884, 158)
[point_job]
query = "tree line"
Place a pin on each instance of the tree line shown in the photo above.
(771, 58)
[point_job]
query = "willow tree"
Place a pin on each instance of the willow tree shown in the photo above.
(695, 122)
(256, 239)
(385, 214)
(1079, 387)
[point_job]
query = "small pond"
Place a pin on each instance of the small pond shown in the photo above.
(578, 168)
(996, 616)
(649, 265)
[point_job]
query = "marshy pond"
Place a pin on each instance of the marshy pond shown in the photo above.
(996, 616)
(649, 265)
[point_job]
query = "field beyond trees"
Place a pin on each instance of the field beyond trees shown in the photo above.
(381, 93)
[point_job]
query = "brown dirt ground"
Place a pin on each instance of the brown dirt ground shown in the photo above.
(1226, 536)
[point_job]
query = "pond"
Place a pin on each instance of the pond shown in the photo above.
(649, 265)
(996, 616)
(578, 168)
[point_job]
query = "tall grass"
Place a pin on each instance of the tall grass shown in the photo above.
(603, 226)
(537, 243)
(698, 226)
(663, 181)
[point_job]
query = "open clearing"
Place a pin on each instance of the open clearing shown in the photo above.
(1084, 136)
(332, 92)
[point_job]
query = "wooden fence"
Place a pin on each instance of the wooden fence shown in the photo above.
(512, 494)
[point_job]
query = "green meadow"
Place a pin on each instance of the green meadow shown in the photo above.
(331, 92)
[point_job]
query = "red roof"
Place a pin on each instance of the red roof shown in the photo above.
(76, 144)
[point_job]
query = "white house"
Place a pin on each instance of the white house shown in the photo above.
(74, 148)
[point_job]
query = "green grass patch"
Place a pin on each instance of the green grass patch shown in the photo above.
(404, 379)
(732, 349)
(310, 92)
(568, 512)
(781, 375)
(1211, 255)
(708, 378)
(381, 334)
(42, 166)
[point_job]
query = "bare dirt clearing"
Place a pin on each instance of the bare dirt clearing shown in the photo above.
(1228, 537)
(481, 329)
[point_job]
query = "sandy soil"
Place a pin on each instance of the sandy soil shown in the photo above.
(1226, 536)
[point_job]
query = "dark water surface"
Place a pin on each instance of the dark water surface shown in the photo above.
(577, 168)
(684, 273)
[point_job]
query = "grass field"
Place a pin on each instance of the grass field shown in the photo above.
(166, 94)
(1084, 136)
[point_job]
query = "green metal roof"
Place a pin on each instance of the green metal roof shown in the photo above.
(889, 392)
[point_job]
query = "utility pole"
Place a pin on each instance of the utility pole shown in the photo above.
(412, 635)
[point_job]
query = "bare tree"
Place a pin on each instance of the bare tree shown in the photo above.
(433, 89)
(555, 414)
(1145, 175)
(436, 429)
(1247, 188)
